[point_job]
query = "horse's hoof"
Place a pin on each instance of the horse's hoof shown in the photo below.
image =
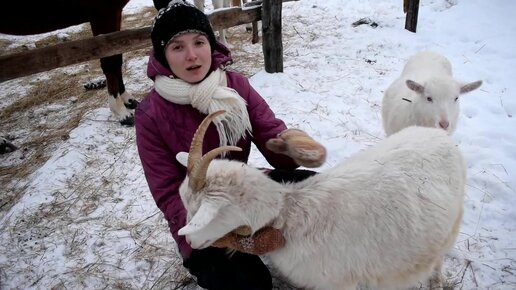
(127, 121)
(6, 146)
(131, 104)
(95, 85)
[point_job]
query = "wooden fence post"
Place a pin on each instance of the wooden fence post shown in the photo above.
(412, 11)
(272, 43)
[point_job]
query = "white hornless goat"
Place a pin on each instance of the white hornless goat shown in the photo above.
(426, 94)
(383, 218)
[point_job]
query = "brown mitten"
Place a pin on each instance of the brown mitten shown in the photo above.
(263, 241)
(299, 146)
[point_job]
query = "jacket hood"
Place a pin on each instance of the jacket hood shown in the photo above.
(220, 58)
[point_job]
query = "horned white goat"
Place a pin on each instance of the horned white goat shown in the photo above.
(384, 217)
(426, 94)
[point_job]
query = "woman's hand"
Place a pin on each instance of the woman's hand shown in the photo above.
(265, 240)
(299, 146)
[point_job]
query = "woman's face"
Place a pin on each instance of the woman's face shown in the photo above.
(189, 56)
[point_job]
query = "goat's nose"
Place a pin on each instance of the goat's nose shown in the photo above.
(444, 124)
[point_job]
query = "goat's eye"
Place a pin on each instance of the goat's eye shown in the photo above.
(429, 99)
(456, 99)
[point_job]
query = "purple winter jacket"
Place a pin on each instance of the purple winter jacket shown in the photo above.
(163, 129)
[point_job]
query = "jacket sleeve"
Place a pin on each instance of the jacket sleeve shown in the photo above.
(164, 176)
(265, 125)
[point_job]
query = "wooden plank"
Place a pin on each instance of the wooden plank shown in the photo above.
(72, 52)
(412, 14)
(234, 16)
(405, 6)
(272, 43)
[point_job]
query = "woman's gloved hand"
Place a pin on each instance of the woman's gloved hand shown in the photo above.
(263, 241)
(299, 146)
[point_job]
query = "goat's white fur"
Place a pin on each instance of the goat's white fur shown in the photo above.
(384, 217)
(426, 94)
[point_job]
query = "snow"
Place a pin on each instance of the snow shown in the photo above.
(87, 220)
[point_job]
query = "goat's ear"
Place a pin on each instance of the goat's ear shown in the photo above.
(203, 217)
(470, 87)
(416, 87)
(182, 157)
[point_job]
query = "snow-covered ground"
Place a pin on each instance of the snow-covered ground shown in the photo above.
(86, 219)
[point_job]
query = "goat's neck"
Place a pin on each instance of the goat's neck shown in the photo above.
(304, 203)
(263, 200)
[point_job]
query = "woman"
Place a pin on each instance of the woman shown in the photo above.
(187, 67)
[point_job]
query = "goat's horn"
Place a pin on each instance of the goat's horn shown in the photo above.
(198, 174)
(197, 165)
(195, 154)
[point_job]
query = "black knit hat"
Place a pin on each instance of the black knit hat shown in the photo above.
(177, 18)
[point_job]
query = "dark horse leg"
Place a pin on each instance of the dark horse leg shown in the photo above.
(105, 16)
(121, 102)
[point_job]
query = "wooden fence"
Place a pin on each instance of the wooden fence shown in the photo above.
(73, 52)
(411, 8)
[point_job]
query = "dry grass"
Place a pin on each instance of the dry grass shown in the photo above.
(50, 109)
(245, 61)
(40, 126)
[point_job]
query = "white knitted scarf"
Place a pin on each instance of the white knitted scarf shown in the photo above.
(208, 96)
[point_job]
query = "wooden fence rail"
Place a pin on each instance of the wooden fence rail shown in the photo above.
(67, 53)
(72, 52)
